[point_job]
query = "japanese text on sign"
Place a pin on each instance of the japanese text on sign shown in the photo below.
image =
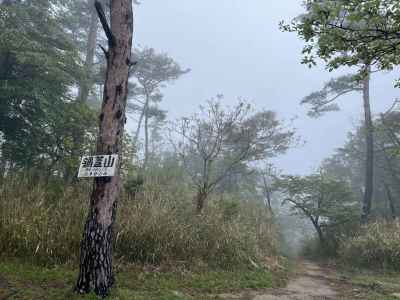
(98, 166)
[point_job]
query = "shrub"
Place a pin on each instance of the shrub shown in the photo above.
(376, 245)
(44, 224)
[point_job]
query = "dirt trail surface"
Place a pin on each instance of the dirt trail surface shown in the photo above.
(312, 282)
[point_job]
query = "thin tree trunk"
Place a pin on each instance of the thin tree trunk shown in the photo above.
(137, 133)
(320, 234)
(200, 201)
(146, 137)
(391, 201)
(96, 247)
(369, 140)
(5, 65)
(87, 83)
(267, 193)
(393, 174)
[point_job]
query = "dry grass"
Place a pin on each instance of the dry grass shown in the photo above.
(376, 245)
(43, 223)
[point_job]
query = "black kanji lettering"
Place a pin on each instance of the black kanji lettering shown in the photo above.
(109, 162)
(98, 161)
(87, 162)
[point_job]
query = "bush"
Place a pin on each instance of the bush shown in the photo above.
(44, 224)
(311, 248)
(376, 245)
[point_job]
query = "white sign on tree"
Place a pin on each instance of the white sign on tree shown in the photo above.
(98, 166)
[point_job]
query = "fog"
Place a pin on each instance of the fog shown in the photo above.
(235, 48)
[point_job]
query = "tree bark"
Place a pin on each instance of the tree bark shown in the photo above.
(369, 140)
(146, 135)
(87, 83)
(200, 201)
(96, 247)
(267, 193)
(320, 234)
(139, 126)
(391, 201)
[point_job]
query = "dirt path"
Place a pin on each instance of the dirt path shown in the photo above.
(313, 282)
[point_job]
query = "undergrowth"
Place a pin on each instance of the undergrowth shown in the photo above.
(43, 222)
(376, 245)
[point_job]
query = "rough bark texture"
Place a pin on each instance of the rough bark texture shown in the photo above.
(86, 84)
(369, 140)
(96, 247)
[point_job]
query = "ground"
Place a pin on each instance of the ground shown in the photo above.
(308, 281)
(25, 281)
(312, 281)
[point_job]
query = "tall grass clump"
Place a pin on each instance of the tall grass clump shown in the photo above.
(40, 221)
(43, 223)
(376, 245)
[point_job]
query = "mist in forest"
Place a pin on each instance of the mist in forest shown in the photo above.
(235, 48)
(183, 143)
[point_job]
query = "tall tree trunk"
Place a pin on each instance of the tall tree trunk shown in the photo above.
(96, 247)
(369, 140)
(318, 229)
(139, 126)
(267, 193)
(87, 82)
(5, 65)
(146, 136)
(391, 201)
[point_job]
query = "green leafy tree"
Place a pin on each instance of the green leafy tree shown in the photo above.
(348, 163)
(326, 202)
(326, 100)
(38, 66)
(343, 32)
(332, 30)
(151, 73)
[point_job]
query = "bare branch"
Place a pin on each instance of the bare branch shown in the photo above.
(104, 23)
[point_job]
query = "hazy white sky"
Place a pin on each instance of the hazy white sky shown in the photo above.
(235, 48)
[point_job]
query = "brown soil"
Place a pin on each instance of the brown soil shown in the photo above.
(312, 282)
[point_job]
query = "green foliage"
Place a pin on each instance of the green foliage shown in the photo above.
(348, 164)
(376, 245)
(328, 203)
(324, 100)
(152, 72)
(319, 196)
(343, 32)
(39, 65)
(154, 69)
